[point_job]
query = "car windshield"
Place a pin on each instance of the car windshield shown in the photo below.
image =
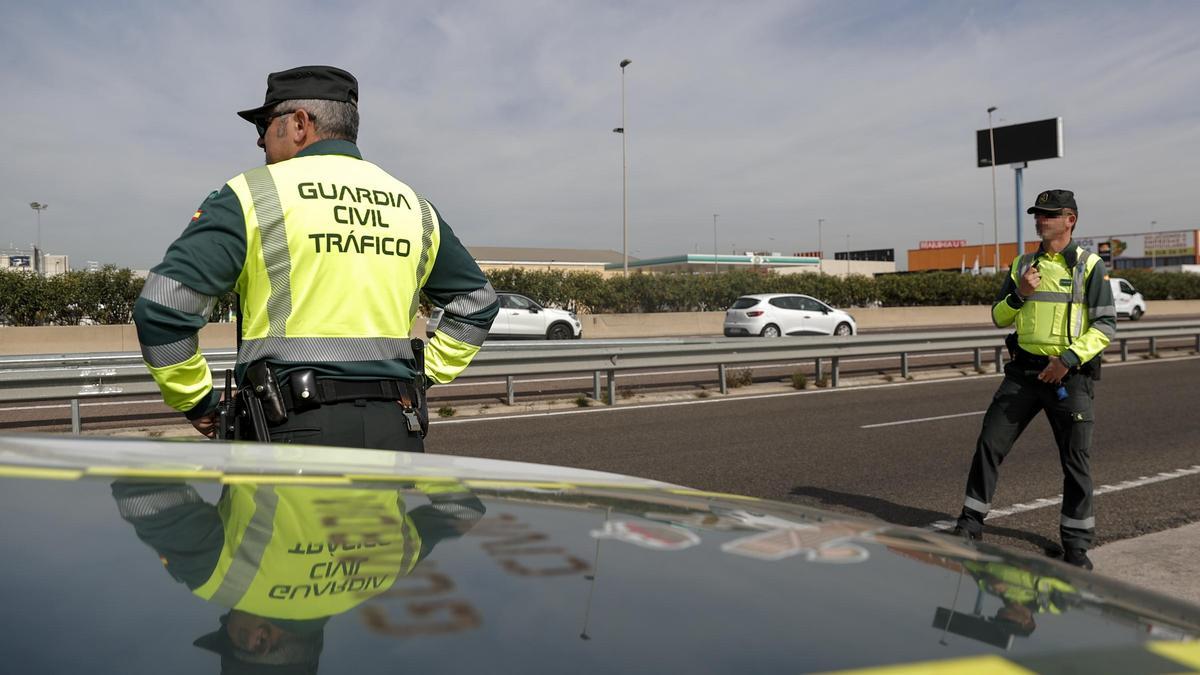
(744, 303)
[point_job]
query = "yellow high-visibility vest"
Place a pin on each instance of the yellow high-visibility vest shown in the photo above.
(333, 270)
(1055, 316)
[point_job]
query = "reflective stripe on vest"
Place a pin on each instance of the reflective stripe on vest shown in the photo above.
(274, 243)
(423, 259)
(336, 253)
(302, 553)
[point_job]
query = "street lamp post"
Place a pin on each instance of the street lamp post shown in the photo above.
(847, 256)
(624, 176)
(715, 270)
(38, 207)
(981, 251)
(1153, 252)
(992, 156)
(820, 221)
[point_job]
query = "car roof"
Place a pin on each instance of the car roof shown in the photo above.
(768, 296)
(772, 296)
(558, 569)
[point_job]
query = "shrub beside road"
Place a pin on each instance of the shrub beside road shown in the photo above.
(106, 296)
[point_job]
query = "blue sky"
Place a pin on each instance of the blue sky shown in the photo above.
(120, 116)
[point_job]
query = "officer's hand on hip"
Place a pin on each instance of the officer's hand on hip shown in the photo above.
(1054, 371)
(1029, 282)
(207, 425)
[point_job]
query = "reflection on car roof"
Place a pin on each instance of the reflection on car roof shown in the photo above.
(348, 560)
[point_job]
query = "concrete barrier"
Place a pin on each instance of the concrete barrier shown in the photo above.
(19, 340)
(659, 324)
(91, 339)
(95, 339)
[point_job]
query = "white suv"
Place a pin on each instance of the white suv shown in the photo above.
(522, 318)
(776, 314)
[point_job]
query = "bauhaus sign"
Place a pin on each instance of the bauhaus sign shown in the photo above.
(943, 243)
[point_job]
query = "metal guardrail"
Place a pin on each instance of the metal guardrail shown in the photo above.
(85, 376)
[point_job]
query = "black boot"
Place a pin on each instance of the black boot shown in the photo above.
(1077, 557)
(969, 535)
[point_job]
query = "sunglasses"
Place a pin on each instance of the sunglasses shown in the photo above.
(261, 125)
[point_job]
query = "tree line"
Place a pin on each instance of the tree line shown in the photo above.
(106, 296)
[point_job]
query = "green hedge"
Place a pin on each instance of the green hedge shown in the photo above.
(1163, 285)
(107, 296)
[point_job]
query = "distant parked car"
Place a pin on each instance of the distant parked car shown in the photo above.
(1128, 300)
(522, 318)
(776, 314)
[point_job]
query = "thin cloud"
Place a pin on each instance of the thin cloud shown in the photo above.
(772, 114)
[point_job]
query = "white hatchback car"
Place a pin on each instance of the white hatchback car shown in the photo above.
(522, 318)
(775, 314)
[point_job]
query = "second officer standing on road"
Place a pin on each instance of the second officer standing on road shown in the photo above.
(1061, 303)
(328, 254)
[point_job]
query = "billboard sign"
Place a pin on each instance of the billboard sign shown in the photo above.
(1017, 143)
(1152, 244)
(19, 261)
(943, 243)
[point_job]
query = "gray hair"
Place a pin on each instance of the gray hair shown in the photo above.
(332, 119)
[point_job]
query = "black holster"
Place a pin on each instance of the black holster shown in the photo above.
(261, 402)
(420, 384)
(226, 412)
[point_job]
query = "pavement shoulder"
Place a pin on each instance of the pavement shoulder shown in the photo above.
(1166, 562)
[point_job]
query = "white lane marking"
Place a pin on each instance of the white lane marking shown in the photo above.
(921, 419)
(1044, 502)
(807, 392)
(696, 370)
(82, 405)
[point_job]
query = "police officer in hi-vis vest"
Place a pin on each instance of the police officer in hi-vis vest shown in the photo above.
(328, 254)
(1061, 303)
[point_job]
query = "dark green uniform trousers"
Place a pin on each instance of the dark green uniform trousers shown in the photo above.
(378, 425)
(1019, 399)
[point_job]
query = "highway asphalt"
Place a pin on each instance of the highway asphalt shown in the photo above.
(901, 453)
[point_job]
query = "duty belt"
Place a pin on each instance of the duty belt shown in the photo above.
(301, 393)
(1029, 360)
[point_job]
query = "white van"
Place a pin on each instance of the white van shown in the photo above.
(1129, 302)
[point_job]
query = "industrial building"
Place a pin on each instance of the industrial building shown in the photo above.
(612, 263)
(31, 260)
(1165, 251)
